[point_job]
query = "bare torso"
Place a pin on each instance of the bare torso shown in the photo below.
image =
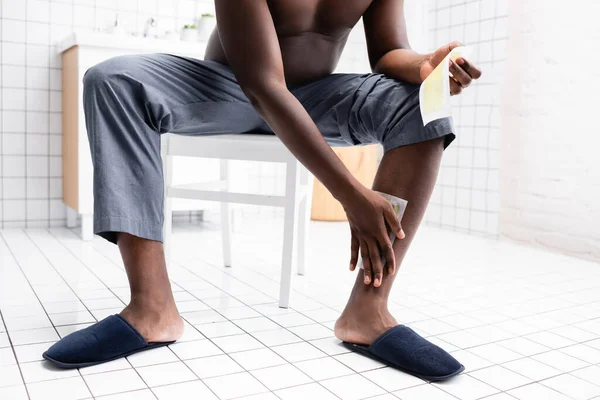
(312, 35)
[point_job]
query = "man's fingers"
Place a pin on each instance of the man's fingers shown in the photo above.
(388, 253)
(443, 51)
(392, 220)
(460, 75)
(366, 259)
(354, 246)
(455, 87)
(376, 266)
(469, 68)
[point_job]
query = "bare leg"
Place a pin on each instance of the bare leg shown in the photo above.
(410, 173)
(152, 310)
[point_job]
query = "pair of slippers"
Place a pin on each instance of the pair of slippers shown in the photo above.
(114, 337)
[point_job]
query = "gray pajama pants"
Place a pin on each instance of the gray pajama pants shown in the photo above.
(130, 101)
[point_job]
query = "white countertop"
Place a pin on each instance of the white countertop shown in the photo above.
(126, 42)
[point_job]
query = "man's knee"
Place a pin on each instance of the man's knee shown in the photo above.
(107, 71)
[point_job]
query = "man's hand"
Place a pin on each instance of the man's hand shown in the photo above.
(368, 212)
(463, 72)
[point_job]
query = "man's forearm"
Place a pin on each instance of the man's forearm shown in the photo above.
(293, 125)
(401, 64)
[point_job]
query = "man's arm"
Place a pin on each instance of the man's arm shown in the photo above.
(252, 48)
(250, 42)
(390, 53)
(387, 42)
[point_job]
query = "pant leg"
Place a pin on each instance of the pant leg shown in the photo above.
(355, 109)
(128, 102)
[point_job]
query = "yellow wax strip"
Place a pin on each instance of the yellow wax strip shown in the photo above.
(434, 94)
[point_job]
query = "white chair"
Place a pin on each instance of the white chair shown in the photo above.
(250, 147)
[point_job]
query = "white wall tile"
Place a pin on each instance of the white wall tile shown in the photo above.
(38, 10)
(14, 9)
(13, 53)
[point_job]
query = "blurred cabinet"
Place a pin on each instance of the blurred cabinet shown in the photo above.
(361, 161)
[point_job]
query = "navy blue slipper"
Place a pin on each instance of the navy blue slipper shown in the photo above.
(403, 349)
(108, 340)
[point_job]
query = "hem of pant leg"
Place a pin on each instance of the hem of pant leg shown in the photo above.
(433, 130)
(107, 227)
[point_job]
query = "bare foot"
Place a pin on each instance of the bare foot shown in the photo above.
(362, 324)
(156, 324)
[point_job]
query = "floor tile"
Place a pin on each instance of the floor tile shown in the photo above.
(583, 352)
(7, 357)
(573, 387)
(466, 387)
(391, 379)
(166, 374)
(575, 334)
(281, 376)
(63, 389)
(590, 374)
(256, 324)
(303, 392)
(195, 349)
(259, 358)
(352, 387)
(311, 332)
(235, 313)
(260, 396)
(72, 318)
(495, 353)
(501, 378)
(471, 361)
(331, 346)
(290, 319)
(218, 329)
(550, 340)
(523, 346)
(193, 305)
(231, 344)
(424, 392)
(537, 391)
(10, 375)
(64, 307)
(359, 363)
(32, 336)
(68, 329)
(235, 385)
(532, 369)
(276, 337)
(561, 361)
(203, 317)
(16, 392)
(193, 390)
(323, 368)
(27, 323)
(159, 355)
(115, 365)
(42, 371)
(208, 367)
(295, 352)
(114, 382)
(31, 352)
(143, 394)
(190, 333)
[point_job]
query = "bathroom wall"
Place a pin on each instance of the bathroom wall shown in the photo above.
(466, 197)
(550, 172)
(30, 83)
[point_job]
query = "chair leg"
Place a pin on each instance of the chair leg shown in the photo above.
(289, 229)
(225, 216)
(306, 183)
(168, 204)
(87, 227)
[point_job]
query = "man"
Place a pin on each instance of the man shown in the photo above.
(269, 68)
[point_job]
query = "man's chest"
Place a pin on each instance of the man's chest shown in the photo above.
(326, 17)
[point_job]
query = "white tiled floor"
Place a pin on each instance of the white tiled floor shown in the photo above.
(525, 323)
